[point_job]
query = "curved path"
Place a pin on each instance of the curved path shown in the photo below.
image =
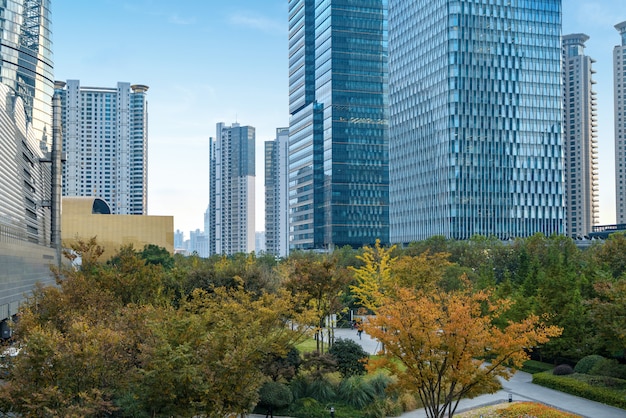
(520, 387)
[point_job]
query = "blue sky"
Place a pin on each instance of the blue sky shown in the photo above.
(209, 61)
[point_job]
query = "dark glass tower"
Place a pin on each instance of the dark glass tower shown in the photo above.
(338, 131)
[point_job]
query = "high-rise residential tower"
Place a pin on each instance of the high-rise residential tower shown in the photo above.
(231, 203)
(619, 86)
(580, 143)
(276, 194)
(338, 130)
(475, 118)
(29, 202)
(105, 140)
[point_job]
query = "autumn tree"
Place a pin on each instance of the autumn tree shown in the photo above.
(206, 358)
(447, 343)
(108, 340)
(320, 283)
(372, 277)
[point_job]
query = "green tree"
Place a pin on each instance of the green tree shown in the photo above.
(320, 283)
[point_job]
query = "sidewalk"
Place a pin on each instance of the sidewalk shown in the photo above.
(520, 387)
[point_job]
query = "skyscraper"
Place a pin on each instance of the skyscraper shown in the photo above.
(619, 86)
(475, 118)
(580, 143)
(26, 63)
(105, 140)
(29, 222)
(338, 130)
(231, 204)
(276, 194)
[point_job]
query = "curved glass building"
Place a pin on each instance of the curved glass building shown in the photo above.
(26, 64)
(27, 216)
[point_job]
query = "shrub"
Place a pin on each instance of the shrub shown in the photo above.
(309, 408)
(586, 363)
(321, 389)
(610, 368)
(578, 388)
(356, 391)
(275, 395)
(379, 383)
(350, 357)
(563, 370)
(529, 409)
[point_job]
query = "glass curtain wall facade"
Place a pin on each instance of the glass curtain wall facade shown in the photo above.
(29, 205)
(338, 132)
(580, 138)
(26, 65)
(475, 118)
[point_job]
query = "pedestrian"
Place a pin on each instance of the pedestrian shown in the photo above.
(360, 331)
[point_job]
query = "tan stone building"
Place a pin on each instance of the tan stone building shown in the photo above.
(87, 217)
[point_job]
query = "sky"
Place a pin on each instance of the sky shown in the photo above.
(210, 61)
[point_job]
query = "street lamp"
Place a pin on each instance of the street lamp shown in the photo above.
(332, 412)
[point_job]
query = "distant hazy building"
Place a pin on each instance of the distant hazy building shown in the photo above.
(199, 243)
(179, 240)
(277, 194)
(28, 206)
(580, 143)
(475, 119)
(105, 140)
(231, 202)
(619, 85)
(259, 243)
(338, 128)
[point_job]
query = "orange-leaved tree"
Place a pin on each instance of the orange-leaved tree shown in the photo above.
(447, 344)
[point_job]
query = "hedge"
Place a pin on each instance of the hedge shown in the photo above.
(570, 385)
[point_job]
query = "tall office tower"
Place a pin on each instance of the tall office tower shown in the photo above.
(619, 86)
(276, 194)
(26, 64)
(580, 143)
(29, 206)
(475, 118)
(231, 204)
(338, 130)
(105, 140)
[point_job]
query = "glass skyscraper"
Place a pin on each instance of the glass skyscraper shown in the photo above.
(338, 130)
(29, 204)
(475, 118)
(26, 65)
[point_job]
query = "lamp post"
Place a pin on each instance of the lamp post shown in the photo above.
(332, 412)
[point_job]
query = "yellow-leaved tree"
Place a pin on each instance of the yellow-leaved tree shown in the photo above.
(442, 344)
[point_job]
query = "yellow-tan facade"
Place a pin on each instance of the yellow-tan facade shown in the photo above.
(83, 218)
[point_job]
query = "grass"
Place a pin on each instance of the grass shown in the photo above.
(533, 366)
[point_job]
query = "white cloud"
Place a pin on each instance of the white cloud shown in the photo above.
(261, 23)
(178, 20)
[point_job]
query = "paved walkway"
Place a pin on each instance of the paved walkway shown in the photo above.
(520, 387)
